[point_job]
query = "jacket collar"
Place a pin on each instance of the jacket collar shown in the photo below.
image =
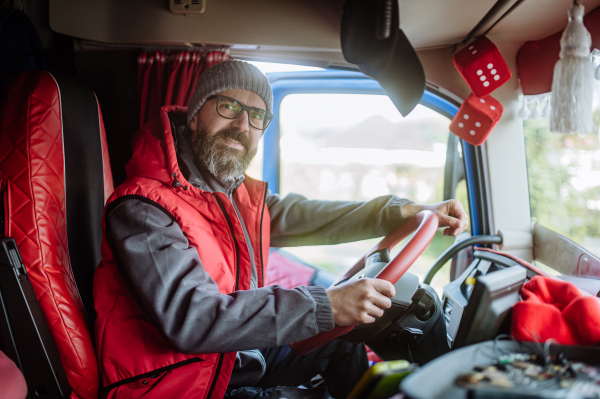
(161, 153)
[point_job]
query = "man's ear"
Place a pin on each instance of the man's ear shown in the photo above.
(194, 122)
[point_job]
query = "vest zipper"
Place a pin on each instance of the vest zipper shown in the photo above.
(235, 243)
(260, 243)
(216, 377)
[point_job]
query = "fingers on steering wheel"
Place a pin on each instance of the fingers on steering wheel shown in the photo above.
(369, 312)
(374, 312)
(459, 212)
(451, 232)
(381, 302)
(367, 318)
(384, 287)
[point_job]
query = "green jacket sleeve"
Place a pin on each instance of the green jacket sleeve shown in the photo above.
(297, 221)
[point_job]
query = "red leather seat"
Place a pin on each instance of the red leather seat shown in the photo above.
(54, 179)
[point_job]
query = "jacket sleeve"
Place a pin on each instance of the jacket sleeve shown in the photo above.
(169, 280)
(297, 221)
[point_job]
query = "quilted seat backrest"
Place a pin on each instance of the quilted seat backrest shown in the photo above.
(54, 179)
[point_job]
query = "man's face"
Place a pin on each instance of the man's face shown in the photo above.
(226, 146)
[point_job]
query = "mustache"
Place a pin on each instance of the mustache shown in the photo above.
(234, 134)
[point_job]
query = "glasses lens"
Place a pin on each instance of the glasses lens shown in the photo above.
(228, 107)
(267, 120)
(257, 118)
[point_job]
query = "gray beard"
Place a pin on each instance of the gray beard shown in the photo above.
(224, 162)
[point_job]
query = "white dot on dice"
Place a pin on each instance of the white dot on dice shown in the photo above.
(482, 78)
(466, 116)
(471, 48)
(482, 100)
(474, 51)
(477, 124)
(480, 72)
(460, 124)
(493, 71)
(486, 84)
(497, 77)
(492, 108)
(472, 132)
(490, 66)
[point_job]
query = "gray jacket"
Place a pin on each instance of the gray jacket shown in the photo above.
(184, 301)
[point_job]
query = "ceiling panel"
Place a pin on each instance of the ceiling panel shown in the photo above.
(536, 19)
(293, 25)
(432, 23)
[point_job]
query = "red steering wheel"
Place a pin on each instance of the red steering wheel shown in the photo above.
(425, 223)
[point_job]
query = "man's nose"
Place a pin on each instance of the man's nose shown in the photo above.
(241, 122)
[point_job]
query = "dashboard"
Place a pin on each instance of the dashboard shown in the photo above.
(476, 306)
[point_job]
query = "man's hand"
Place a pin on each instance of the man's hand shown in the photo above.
(360, 301)
(450, 213)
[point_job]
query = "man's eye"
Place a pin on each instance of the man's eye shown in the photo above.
(257, 115)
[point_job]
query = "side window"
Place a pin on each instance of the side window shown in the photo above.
(356, 147)
(255, 170)
(564, 181)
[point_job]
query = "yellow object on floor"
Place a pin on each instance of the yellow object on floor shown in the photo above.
(382, 380)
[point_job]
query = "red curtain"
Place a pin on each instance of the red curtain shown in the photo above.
(170, 78)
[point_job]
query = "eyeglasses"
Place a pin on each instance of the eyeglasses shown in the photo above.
(231, 108)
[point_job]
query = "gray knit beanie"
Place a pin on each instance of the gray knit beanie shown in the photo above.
(227, 75)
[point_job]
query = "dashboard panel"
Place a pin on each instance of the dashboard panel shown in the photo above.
(477, 296)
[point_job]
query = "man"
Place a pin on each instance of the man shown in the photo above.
(179, 293)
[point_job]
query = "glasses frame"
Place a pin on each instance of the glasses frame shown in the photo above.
(244, 108)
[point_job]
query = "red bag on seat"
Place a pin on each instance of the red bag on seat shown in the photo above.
(11, 379)
(556, 309)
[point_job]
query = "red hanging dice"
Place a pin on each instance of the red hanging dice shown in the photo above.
(476, 119)
(481, 65)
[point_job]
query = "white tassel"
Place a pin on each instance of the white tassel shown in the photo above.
(573, 82)
(537, 112)
(595, 56)
(547, 110)
(524, 111)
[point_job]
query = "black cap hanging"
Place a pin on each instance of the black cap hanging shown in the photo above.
(372, 39)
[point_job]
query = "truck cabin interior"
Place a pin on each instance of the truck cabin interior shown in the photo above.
(80, 77)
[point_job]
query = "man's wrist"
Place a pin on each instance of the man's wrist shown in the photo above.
(409, 210)
(324, 311)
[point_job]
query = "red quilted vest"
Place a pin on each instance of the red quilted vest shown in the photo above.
(134, 356)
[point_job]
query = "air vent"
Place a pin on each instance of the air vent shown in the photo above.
(187, 6)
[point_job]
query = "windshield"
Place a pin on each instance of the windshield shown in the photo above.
(564, 180)
(355, 147)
